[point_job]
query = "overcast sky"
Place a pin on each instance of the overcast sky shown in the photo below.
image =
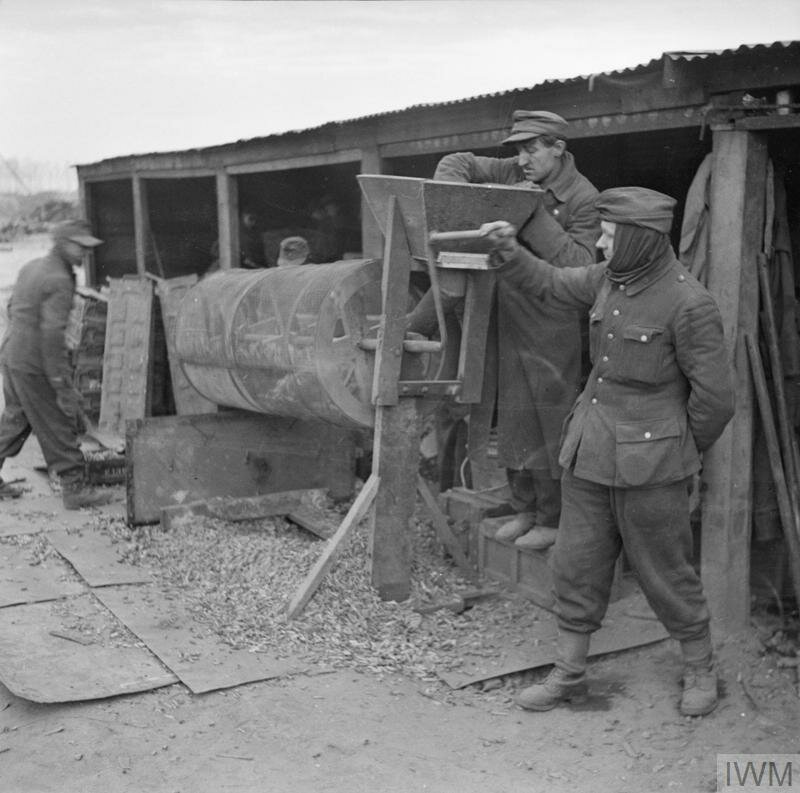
(82, 80)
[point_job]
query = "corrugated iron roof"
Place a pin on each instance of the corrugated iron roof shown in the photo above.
(679, 55)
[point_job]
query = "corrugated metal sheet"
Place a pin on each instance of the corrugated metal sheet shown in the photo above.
(631, 71)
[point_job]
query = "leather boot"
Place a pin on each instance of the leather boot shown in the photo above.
(518, 525)
(76, 494)
(566, 681)
(700, 695)
(537, 539)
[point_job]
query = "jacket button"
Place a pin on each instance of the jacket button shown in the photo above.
(622, 287)
(605, 359)
(643, 337)
(615, 312)
(681, 277)
(594, 400)
(599, 379)
(648, 435)
(610, 335)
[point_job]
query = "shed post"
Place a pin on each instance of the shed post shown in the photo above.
(85, 202)
(141, 223)
(371, 237)
(736, 232)
(227, 219)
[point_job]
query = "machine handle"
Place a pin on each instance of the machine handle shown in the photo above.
(409, 345)
(449, 236)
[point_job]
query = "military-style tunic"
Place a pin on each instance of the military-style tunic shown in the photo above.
(539, 355)
(660, 387)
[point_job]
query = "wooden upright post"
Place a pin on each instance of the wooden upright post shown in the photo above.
(398, 426)
(141, 223)
(371, 238)
(227, 220)
(737, 223)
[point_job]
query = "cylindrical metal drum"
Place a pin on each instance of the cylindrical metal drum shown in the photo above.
(285, 340)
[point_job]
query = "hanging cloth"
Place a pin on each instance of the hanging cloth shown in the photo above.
(693, 250)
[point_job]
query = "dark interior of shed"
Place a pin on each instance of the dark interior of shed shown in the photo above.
(111, 206)
(321, 204)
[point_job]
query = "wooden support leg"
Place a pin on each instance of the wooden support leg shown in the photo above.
(395, 461)
(737, 211)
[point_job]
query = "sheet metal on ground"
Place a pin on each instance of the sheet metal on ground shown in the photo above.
(94, 555)
(23, 582)
(199, 658)
(629, 623)
(33, 515)
(38, 663)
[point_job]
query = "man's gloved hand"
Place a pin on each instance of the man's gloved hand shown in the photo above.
(502, 236)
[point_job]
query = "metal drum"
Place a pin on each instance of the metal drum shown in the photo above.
(284, 341)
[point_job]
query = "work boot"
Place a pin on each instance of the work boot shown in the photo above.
(559, 686)
(78, 494)
(699, 691)
(699, 678)
(516, 527)
(566, 681)
(8, 490)
(537, 539)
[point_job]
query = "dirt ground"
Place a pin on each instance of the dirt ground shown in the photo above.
(349, 730)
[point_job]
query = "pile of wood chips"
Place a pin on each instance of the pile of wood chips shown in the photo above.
(237, 578)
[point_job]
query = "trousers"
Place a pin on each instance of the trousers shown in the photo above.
(30, 406)
(653, 527)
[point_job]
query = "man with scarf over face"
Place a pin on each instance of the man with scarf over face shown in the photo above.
(539, 343)
(659, 394)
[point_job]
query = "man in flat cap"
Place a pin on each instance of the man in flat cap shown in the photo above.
(37, 377)
(659, 394)
(539, 344)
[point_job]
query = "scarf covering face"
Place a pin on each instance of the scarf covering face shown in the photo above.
(637, 251)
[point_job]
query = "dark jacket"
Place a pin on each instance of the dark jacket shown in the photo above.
(539, 343)
(660, 389)
(38, 312)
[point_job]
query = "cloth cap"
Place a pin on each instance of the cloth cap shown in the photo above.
(527, 124)
(76, 231)
(293, 250)
(637, 206)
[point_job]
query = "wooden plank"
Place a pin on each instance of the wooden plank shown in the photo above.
(172, 460)
(787, 504)
(737, 211)
(309, 519)
(443, 530)
(188, 401)
(285, 163)
(233, 509)
(354, 516)
(394, 292)
(395, 459)
(127, 355)
(474, 335)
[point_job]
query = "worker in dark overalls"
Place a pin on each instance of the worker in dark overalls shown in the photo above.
(539, 343)
(38, 390)
(659, 394)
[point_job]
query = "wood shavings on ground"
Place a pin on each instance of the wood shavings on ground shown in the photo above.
(237, 578)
